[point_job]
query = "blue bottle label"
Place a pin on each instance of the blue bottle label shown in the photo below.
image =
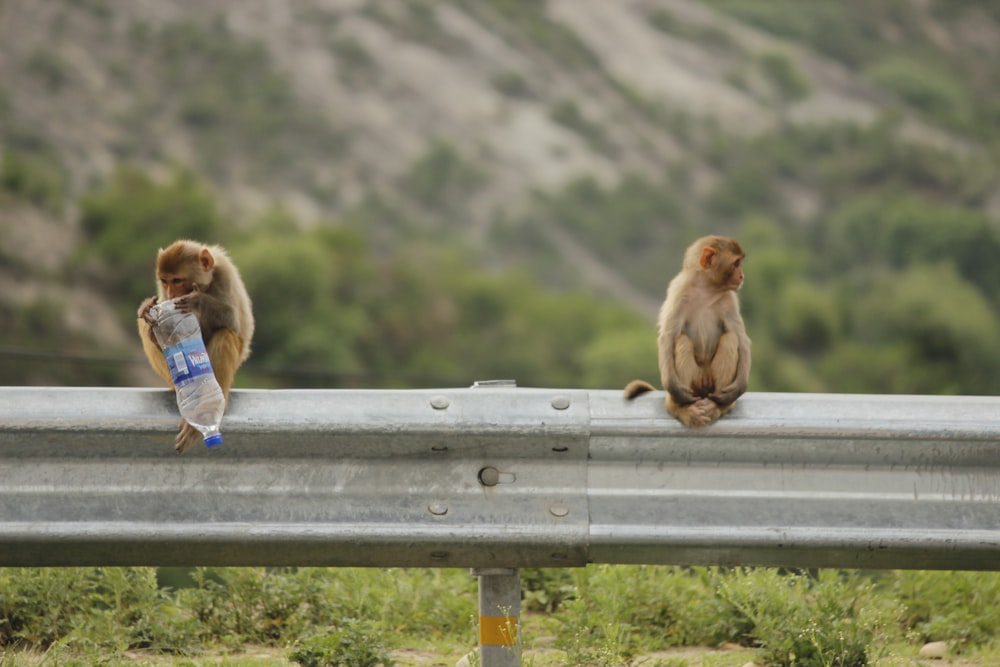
(187, 360)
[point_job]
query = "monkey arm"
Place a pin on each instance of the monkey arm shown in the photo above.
(677, 384)
(681, 394)
(213, 313)
(153, 352)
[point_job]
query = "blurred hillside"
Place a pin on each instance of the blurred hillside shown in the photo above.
(437, 191)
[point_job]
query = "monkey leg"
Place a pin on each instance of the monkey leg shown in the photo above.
(187, 435)
(725, 365)
(726, 359)
(690, 374)
(153, 352)
(688, 370)
(225, 350)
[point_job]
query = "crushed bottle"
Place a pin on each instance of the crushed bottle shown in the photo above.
(199, 396)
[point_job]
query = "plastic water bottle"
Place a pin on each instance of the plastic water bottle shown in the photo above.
(199, 396)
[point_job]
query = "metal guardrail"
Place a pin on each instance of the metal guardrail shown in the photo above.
(497, 477)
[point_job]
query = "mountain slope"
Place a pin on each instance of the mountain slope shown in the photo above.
(586, 140)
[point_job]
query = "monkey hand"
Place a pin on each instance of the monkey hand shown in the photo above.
(187, 435)
(700, 413)
(188, 302)
(143, 312)
(728, 394)
(681, 394)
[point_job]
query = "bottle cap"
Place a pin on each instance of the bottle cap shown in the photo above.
(213, 440)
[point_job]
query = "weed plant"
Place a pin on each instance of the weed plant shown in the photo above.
(833, 619)
(600, 615)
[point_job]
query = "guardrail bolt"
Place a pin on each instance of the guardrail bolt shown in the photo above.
(437, 508)
(560, 402)
(558, 509)
(440, 402)
(489, 476)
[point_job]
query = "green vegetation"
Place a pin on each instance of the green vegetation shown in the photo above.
(922, 85)
(441, 179)
(332, 313)
(600, 615)
(568, 114)
(871, 248)
(417, 320)
(834, 620)
(512, 84)
(34, 177)
(48, 354)
(533, 24)
(48, 68)
(133, 211)
(897, 45)
(880, 280)
(649, 230)
(780, 69)
(872, 268)
(415, 21)
(355, 65)
(227, 93)
(665, 21)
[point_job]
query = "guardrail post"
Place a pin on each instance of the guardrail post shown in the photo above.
(499, 616)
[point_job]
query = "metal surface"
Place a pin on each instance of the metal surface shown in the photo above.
(799, 480)
(499, 477)
(366, 478)
(499, 616)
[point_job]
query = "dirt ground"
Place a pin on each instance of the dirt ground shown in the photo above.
(728, 656)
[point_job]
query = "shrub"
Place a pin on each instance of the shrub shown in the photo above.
(831, 620)
(927, 87)
(33, 177)
(958, 607)
(781, 70)
(349, 646)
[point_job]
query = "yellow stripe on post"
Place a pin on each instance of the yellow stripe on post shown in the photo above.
(498, 630)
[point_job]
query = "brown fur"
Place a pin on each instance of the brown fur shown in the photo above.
(704, 352)
(202, 279)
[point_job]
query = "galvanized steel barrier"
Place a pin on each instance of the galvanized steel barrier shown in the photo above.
(499, 478)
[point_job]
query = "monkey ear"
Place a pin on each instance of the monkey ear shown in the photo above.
(706, 257)
(206, 260)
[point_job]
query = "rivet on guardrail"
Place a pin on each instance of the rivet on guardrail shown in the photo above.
(439, 555)
(440, 402)
(558, 509)
(559, 556)
(560, 402)
(437, 508)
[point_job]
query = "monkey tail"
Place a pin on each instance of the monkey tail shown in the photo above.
(637, 388)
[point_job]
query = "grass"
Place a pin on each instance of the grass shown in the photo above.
(600, 615)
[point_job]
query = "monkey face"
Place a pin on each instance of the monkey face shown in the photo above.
(735, 277)
(176, 285)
